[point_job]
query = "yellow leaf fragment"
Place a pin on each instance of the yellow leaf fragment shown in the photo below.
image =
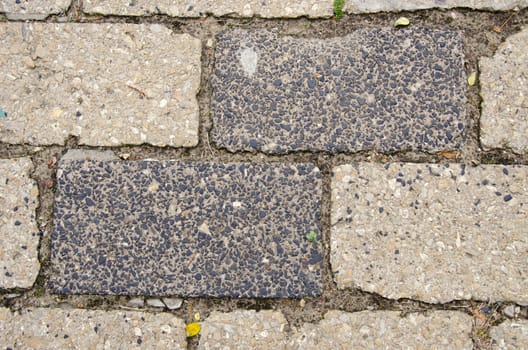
(192, 329)
(472, 79)
(402, 22)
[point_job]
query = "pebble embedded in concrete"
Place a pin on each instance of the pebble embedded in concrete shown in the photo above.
(19, 234)
(373, 89)
(100, 82)
(51, 328)
(431, 232)
(504, 91)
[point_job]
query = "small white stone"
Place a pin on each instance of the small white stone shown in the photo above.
(173, 303)
(155, 302)
(163, 103)
(136, 302)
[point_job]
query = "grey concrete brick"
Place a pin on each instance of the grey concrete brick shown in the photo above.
(431, 232)
(108, 84)
(376, 88)
(197, 8)
(187, 229)
(510, 335)
(386, 330)
(50, 329)
(36, 10)
(244, 329)
(361, 6)
(504, 90)
(19, 238)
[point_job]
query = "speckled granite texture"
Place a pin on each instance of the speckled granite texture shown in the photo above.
(197, 8)
(377, 88)
(32, 9)
(19, 234)
(42, 328)
(431, 232)
(108, 84)
(244, 329)
(386, 330)
(186, 228)
(510, 335)
(504, 90)
(361, 6)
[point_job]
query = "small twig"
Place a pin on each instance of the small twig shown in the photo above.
(141, 92)
(498, 29)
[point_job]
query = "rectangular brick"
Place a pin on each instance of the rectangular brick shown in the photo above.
(19, 233)
(376, 88)
(108, 84)
(198, 8)
(49, 328)
(431, 232)
(187, 229)
(37, 10)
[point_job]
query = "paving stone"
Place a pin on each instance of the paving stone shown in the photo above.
(197, 8)
(186, 229)
(376, 88)
(386, 330)
(431, 232)
(510, 335)
(361, 6)
(36, 10)
(42, 328)
(504, 91)
(245, 329)
(108, 84)
(19, 238)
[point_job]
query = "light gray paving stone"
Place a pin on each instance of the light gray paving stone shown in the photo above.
(504, 91)
(108, 84)
(362, 6)
(386, 330)
(376, 88)
(48, 329)
(169, 228)
(510, 335)
(196, 8)
(244, 329)
(431, 232)
(30, 9)
(19, 238)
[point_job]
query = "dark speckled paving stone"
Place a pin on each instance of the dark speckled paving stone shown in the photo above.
(186, 228)
(376, 88)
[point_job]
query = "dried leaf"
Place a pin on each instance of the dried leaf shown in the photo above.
(448, 154)
(472, 79)
(402, 22)
(192, 329)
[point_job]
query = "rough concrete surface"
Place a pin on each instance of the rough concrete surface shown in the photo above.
(376, 88)
(510, 335)
(212, 229)
(197, 8)
(50, 329)
(431, 232)
(386, 330)
(362, 6)
(108, 84)
(504, 91)
(244, 329)
(31, 9)
(19, 234)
